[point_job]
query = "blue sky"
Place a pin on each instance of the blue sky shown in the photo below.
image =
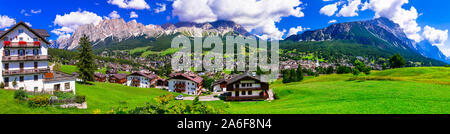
(42, 14)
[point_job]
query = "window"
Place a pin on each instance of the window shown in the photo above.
(67, 85)
(6, 66)
(35, 65)
(35, 39)
(20, 31)
(5, 39)
(36, 52)
(21, 52)
(243, 92)
(7, 52)
(20, 38)
(36, 77)
(6, 80)
(250, 92)
(36, 89)
(21, 78)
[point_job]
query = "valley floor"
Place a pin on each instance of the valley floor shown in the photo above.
(424, 90)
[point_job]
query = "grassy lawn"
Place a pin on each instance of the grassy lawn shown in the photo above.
(412, 91)
(395, 91)
(71, 68)
(100, 97)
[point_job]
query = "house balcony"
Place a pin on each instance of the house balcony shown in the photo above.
(25, 58)
(25, 71)
(244, 89)
(240, 98)
(22, 44)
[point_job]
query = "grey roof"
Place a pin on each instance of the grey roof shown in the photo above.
(38, 32)
(241, 76)
(100, 75)
(218, 81)
(42, 32)
(120, 76)
(150, 76)
(60, 76)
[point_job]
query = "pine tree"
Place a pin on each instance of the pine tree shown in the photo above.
(299, 73)
(86, 65)
(293, 75)
(286, 76)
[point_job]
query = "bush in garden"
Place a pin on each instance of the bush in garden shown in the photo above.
(2, 85)
(80, 99)
(38, 101)
(64, 95)
(20, 94)
(166, 104)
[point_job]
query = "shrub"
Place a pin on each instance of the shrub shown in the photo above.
(38, 101)
(80, 99)
(396, 61)
(2, 85)
(63, 95)
(343, 70)
(356, 72)
(275, 96)
(20, 95)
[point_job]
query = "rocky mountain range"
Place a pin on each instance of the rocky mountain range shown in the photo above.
(381, 32)
(118, 29)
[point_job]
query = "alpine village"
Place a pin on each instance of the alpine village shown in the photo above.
(126, 69)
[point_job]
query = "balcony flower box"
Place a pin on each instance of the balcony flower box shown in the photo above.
(22, 43)
(7, 43)
(37, 43)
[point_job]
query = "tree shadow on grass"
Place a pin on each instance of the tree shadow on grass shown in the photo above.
(85, 83)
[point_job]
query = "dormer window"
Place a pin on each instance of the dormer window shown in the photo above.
(20, 38)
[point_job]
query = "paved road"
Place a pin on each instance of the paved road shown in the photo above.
(205, 98)
(212, 98)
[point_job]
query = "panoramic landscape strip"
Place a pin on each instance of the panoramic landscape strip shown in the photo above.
(199, 57)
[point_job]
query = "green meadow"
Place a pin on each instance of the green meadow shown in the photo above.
(421, 90)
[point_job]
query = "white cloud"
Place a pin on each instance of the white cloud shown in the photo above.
(161, 8)
(114, 15)
(258, 16)
(28, 23)
(70, 22)
(130, 4)
(133, 14)
(36, 11)
(393, 10)
(6, 21)
(435, 36)
(295, 30)
(24, 12)
(332, 21)
(350, 9)
(329, 9)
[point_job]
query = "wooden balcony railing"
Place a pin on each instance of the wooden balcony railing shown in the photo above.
(25, 58)
(244, 89)
(238, 98)
(22, 44)
(25, 71)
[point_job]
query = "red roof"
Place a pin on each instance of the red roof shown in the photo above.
(150, 76)
(191, 77)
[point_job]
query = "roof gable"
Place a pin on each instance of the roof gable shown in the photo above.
(34, 31)
(242, 76)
